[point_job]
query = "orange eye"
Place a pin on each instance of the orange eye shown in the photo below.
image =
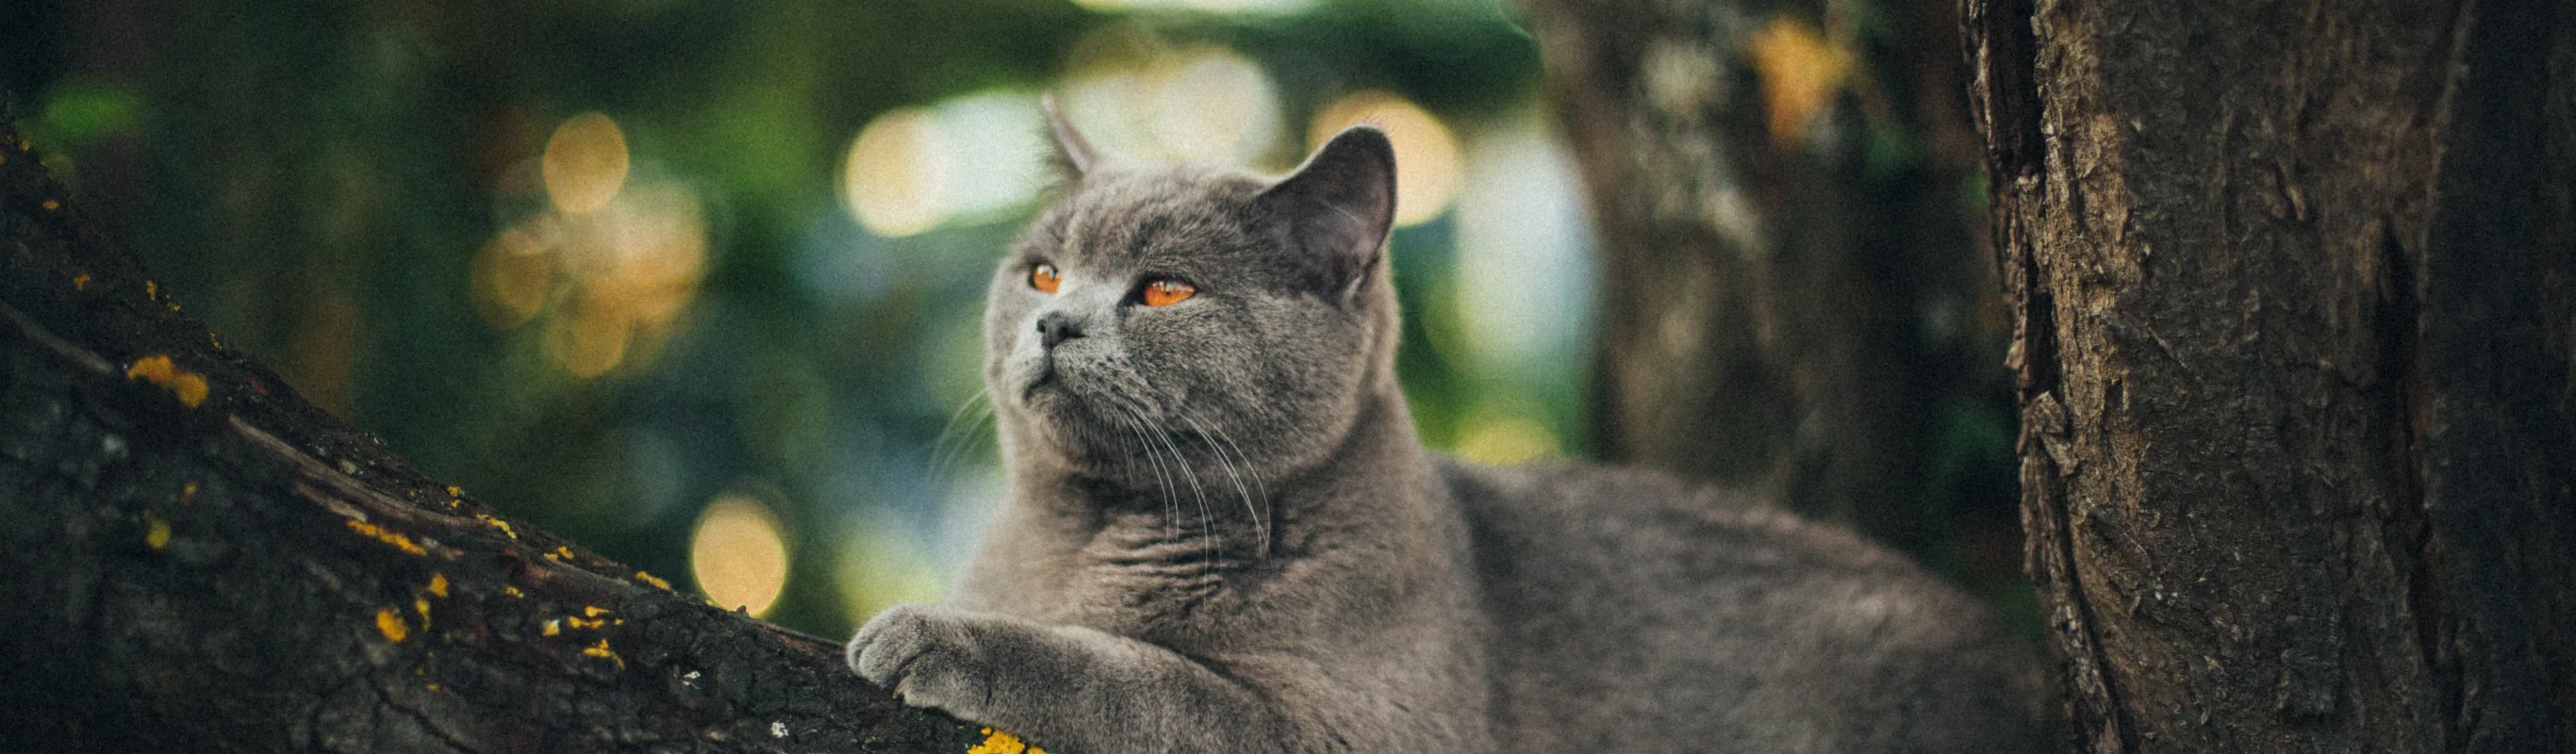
(1045, 278)
(1167, 292)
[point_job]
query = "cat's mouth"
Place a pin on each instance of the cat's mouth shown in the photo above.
(1048, 377)
(1049, 392)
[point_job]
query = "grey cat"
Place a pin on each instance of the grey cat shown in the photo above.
(1222, 535)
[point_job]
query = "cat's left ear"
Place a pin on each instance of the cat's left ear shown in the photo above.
(1341, 203)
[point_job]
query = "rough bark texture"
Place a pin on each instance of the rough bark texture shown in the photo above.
(1780, 310)
(196, 559)
(2295, 290)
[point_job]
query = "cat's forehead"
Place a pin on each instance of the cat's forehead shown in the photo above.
(1161, 213)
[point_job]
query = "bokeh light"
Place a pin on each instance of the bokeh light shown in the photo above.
(965, 160)
(1140, 100)
(1505, 431)
(994, 154)
(738, 555)
(1426, 154)
(585, 163)
(651, 252)
(1214, 106)
(512, 275)
(879, 565)
(633, 266)
(893, 176)
(603, 284)
(1800, 72)
(1525, 286)
(589, 342)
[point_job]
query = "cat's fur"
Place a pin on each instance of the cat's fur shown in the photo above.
(1222, 534)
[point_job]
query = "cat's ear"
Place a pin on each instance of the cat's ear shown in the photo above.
(1073, 155)
(1341, 203)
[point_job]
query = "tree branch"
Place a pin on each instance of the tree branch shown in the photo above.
(197, 558)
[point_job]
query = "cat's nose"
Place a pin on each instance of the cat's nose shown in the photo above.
(1058, 327)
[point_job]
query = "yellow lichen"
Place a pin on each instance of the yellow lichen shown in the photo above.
(593, 610)
(80, 282)
(215, 340)
(51, 205)
(390, 621)
(438, 584)
(188, 494)
(421, 605)
(581, 623)
(156, 532)
(563, 552)
(513, 591)
(601, 650)
(504, 526)
(650, 579)
(554, 626)
(998, 742)
(386, 536)
(151, 289)
(189, 386)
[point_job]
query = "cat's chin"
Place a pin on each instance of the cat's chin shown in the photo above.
(1064, 417)
(1046, 396)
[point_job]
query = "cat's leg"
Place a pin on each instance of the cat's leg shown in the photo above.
(1075, 690)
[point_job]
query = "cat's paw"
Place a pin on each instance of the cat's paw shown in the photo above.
(927, 655)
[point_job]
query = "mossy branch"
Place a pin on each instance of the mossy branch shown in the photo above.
(195, 558)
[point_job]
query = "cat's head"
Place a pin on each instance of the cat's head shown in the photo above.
(1195, 316)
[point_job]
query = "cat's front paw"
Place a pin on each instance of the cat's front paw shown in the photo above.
(927, 655)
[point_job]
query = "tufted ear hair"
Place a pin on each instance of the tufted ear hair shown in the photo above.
(1073, 155)
(1341, 203)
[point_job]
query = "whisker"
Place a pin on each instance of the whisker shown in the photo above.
(1260, 528)
(1171, 506)
(1207, 518)
(952, 444)
(1249, 469)
(1261, 490)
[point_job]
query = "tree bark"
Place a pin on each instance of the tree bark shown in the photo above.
(2295, 299)
(198, 559)
(1790, 309)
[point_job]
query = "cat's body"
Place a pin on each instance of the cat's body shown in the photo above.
(1223, 535)
(1616, 595)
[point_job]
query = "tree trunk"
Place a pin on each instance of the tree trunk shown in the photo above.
(2295, 299)
(197, 559)
(1791, 288)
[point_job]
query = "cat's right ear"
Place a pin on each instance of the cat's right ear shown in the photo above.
(1073, 154)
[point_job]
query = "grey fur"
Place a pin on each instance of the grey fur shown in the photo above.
(1222, 534)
